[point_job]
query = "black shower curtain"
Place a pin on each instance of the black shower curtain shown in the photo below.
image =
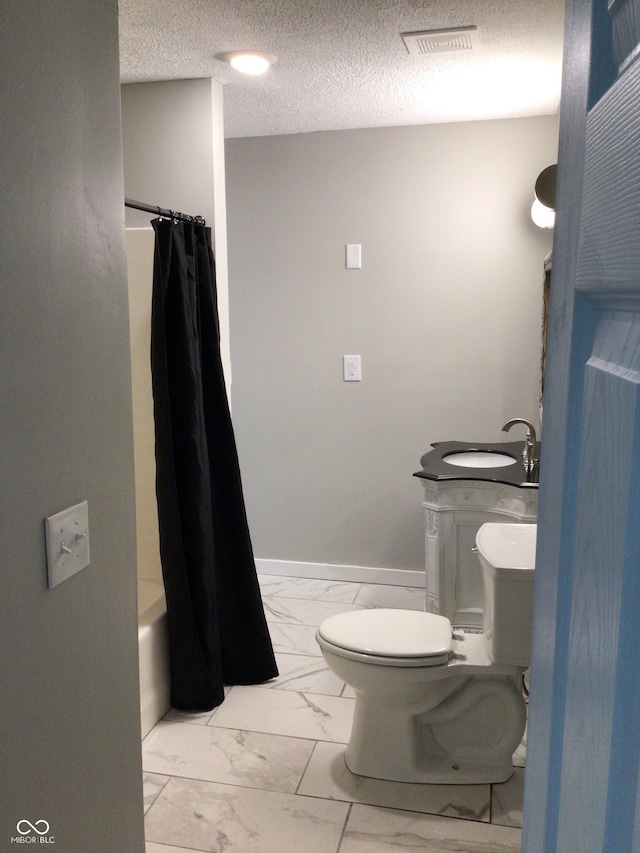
(217, 629)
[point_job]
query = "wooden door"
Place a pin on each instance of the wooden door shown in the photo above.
(582, 788)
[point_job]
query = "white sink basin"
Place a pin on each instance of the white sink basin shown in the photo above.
(479, 459)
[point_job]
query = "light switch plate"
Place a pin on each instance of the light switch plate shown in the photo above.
(353, 256)
(67, 541)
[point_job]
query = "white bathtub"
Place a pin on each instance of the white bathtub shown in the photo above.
(153, 643)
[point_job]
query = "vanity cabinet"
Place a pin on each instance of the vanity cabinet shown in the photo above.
(454, 511)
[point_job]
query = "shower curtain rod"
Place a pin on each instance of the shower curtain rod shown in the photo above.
(162, 211)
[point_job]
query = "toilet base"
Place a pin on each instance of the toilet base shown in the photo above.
(441, 770)
(468, 739)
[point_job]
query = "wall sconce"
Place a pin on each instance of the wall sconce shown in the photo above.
(543, 208)
(253, 62)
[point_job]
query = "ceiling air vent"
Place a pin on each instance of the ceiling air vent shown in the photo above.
(441, 41)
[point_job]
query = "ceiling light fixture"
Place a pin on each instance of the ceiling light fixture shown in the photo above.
(543, 208)
(253, 62)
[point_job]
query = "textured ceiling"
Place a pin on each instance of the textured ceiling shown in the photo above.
(342, 63)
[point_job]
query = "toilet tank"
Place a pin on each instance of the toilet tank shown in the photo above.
(507, 555)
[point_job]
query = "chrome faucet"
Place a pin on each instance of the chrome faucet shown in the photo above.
(529, 458)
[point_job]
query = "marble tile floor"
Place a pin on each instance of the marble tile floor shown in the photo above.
(264, 772)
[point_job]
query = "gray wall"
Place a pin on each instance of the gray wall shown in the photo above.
(70, 744)
(445, 314)
(173, 149)
(166, 133)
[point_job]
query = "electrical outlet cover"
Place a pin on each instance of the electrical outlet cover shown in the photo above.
(351, 366)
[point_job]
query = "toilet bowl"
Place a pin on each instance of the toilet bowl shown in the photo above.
(434, 703)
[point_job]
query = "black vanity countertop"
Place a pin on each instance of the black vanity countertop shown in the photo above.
(435, 467)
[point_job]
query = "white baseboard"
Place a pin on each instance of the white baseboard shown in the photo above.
(329, 571)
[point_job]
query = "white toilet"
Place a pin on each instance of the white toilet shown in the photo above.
(436, 704)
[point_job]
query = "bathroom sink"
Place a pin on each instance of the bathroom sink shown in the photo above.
(479, 459)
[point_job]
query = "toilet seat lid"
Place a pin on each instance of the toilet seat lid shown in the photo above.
(389, 633)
